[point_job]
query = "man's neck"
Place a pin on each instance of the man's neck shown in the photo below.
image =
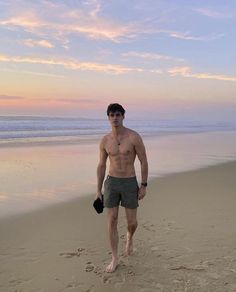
(117, 131)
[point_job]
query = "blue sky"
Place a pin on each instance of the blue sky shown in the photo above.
(74, 57)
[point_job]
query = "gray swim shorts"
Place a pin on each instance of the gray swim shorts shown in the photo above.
(122, 191)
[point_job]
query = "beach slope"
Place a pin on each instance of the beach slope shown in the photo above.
(186, 241)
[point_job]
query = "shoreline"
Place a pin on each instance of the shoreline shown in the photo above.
(90, 196)
(185, 241)
(88, 141)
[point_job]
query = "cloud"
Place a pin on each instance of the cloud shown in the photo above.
(149, 56)
(28, 20)
(187, 72)
(212, 13)
(95, 5)
(72, 64)
(37, 43)
(94, 30)
(111, 68)
(75, 100)
(187, 36)
(66, 101)
(68, 21)
(157, 71)
(43, 74)
(9, 97)
(115, 33)
(85, 18)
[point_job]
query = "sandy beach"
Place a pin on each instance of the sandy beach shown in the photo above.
(186, 241)
(95, 97)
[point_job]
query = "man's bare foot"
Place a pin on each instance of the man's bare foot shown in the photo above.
(129, 245)
(112, 266)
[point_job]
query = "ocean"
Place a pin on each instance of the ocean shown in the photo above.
(21, 130)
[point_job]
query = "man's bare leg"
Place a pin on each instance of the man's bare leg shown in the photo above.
(131, 215)
(112, 214)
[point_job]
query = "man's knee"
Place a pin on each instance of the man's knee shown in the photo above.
(132, 224)
(113, 219)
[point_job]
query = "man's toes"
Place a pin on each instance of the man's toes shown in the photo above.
(111, 268)
(108, 268)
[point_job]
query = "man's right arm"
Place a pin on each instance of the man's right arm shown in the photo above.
(101, 169)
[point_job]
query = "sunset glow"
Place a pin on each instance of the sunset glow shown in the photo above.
(72, 58)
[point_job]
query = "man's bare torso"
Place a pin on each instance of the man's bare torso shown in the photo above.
(121, 152)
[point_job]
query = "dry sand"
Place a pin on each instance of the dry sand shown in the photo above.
(186, 241)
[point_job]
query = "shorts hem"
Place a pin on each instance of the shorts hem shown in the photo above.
(129, 207)
(109, 207)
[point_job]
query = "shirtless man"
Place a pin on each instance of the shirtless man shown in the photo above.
(121, 146)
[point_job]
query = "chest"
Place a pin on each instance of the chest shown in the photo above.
(126, 148)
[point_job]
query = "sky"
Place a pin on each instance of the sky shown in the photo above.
(163, 59)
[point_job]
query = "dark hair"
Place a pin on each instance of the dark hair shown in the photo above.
(115, 107)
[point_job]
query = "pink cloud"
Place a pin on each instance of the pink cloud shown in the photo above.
(8, 97)
(187, 72)
(38, 43)
(72, 64)
(212, 13)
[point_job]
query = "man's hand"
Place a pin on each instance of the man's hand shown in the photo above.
(141, 192)
(99, 195)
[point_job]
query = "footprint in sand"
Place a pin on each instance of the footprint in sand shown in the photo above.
(72, 254)
(69, 254)
(98, 271)
(148, 227)
(131, 273)
(106, 279)
(190, 268)
(117, 280)
(168, 226)
(16, 282)
(89, 268)
(74, 284)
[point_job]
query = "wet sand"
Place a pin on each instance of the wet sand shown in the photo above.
(185, 241)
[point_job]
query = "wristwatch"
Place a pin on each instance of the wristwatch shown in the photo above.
(144, 184)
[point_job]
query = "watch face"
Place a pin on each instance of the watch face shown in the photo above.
(144, 184)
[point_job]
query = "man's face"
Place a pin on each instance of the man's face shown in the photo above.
(116, 119)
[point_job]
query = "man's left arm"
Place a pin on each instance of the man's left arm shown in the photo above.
(141, 153)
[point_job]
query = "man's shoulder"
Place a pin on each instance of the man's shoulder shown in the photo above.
(105, 138)
(132, 133)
